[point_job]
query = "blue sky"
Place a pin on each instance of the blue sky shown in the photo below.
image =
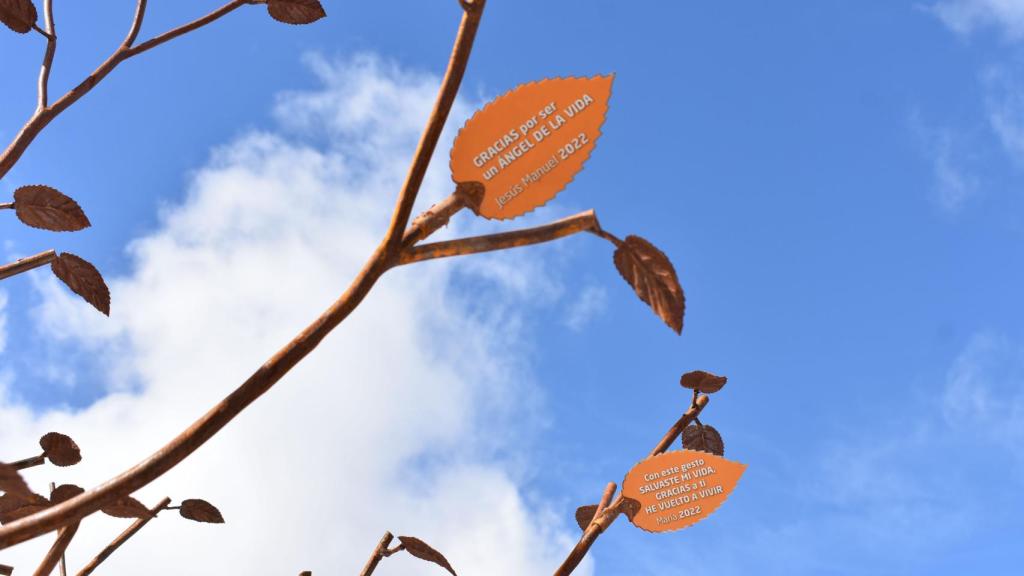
(840, 186)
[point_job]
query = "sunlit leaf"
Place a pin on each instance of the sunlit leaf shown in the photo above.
(127, 507)
(421, 550)
(296, 11)
(653, 278)
(65, 492)
(83, 279)
(18, 15)
(44, 207)
(702, 381)
(704, 438)
(60, 449)
(200, 511)
(585, 515)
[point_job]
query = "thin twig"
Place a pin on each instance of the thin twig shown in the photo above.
(604, 519)
(606, 499)
(30, 462)
(57, 550)
(435, 124)
(122, 538)
(27, 263)
(51, 49)
(582, 222)
(6, 205)
(43, 116)
(378, 553)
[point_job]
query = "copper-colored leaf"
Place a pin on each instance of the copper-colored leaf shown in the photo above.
(702, 381)
(6, 570)
(18, 15)
(83, 279)
(14, 506)
(421, 550)
(652, 276)
(44, 207)
(200, 511)
(630, 507)
(60, 449)
(585, 514)
(704, 438)
(12, 483)
(525, 146)
(65, 492)
(296, 11)
(127, 507)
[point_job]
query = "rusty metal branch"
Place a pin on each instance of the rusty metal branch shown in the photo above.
(582, 222)
(122, 538)
(604, 519)
(438, 117)
(45, 114)
(53, 556)
(379, 553)
(51, 49)
(27, 263)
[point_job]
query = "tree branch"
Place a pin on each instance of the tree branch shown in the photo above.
(57, 550)
(428, 141)
(27, 263)
(604, 519)
(51, 50)
(378, 554)
(29, 462)
(121, 539)
(43, 116)
(582, 222)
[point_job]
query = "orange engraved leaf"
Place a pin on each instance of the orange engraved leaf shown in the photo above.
(200, 511)
(653, 278)
(421, 550)
(60, 449)
(585, 515)
(83, 279)
(526, 145)
(703, 438)
(44, 207)
(12, 483)
(702, 381)
(296, 11)
(679, 488)
(18, 15)
(127, 507)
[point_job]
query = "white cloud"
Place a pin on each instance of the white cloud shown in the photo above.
(592, 301)
(954, 184)
(966, 16)
(984, 396)
(1005, 105)
(397, 422)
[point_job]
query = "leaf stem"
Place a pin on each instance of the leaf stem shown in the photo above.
(30, 462)
(6, 205)
(582, 222)
(27, 263)
(51, 49)
(435, 124)
(122, 538)
(603, 519)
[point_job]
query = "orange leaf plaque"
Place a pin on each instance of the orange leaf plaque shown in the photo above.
(679, 488)
(526, 145)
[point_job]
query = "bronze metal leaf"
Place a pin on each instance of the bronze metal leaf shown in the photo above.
(83, 279)
(200, 511)
(60, 449)
(421, 550)
(47, 208)
(653, 278)
(296, 11)
(18, 15)
(704, 438)
(702, 381)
